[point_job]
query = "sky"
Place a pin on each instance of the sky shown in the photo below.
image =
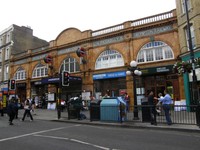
(48, 18)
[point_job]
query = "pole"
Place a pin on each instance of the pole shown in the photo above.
(194, 77)
(59, 96)
(135, 100)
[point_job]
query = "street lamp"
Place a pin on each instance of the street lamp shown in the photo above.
(194, 77)
(133, 70)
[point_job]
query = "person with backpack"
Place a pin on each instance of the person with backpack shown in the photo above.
(27, 110)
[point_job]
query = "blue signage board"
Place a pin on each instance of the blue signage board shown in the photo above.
(57, 79)
(109, 75)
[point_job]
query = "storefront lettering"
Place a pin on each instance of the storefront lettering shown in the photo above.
(108, 41)
(152, 31)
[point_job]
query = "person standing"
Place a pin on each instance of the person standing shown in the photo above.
(152, 107)
(1, 108)
(78, 106)
(127, 100)
(11, 111)
(27, 110)
(166, 101)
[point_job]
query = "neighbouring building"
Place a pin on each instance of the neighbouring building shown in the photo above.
(14, 40)
(194, 22)
(152, 41)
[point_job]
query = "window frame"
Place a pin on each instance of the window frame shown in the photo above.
(153, 47)
(40, 71)
(70, 65)
(109, 59)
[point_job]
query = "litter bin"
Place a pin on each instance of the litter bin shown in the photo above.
(110, 109)
(72, 114)
(95, 111)
(146, 116)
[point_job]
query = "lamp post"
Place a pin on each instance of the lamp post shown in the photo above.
(133, 70)
(194, 77)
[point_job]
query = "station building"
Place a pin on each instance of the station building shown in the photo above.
(152, 41)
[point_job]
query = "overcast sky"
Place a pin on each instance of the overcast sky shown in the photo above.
(48, 18)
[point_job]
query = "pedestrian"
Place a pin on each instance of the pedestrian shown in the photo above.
(127, 100)
(16, 106)
(11, 111)
(152, 107)
(33, 105)
(78, 105)
(1, 108)
(27, 110)
(166, 102)
(158, 108)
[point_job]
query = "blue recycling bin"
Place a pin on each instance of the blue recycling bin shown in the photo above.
(110, 109)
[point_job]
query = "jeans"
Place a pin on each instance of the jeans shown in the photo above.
(166, 108)
(153, 115)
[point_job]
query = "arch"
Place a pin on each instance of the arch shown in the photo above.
(109, 59)
(40, 70)
(155, 51)
(20, 74)
(70, 64)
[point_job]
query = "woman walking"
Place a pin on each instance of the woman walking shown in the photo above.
(27, 108)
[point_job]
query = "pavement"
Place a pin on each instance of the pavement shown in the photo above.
(51, 115)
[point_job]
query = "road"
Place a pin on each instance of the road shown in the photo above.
(49, 135)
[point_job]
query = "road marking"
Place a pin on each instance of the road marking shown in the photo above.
(24, 135)
(74, 140)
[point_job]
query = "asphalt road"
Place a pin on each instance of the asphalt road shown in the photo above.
(49, 135)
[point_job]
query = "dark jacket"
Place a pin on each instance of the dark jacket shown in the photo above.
(11, 108)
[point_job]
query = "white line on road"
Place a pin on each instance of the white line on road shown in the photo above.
(74, 140)
(24, 135)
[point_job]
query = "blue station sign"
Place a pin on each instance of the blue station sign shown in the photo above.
(109, 75)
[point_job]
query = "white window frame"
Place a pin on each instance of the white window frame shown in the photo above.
(155, 51)
(40, 71)
(192, 37)
(7, 53)
(70, 65)
(6, 72)
(109, 59)
(20, 74)
(0, 55)
(183, 5)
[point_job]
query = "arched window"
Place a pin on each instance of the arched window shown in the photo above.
(108, 59)
(155, 51)
(70, 64)
(20, 74)
(40, 71)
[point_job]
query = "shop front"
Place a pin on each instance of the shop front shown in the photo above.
(158, 79)
(111, 83)
(21, 91)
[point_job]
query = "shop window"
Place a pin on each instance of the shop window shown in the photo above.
(40, 71)
(109, 59)
(71, 65)
(155, 51)
(20, 74)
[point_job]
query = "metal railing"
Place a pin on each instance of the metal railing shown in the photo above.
(180, 114)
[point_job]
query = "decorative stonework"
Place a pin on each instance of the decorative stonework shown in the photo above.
(108, 41)
(152, 31)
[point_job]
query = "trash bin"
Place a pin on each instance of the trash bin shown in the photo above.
(110, 109)
(70, 108)
(95, 111)
(71, 112)
(146, 116)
